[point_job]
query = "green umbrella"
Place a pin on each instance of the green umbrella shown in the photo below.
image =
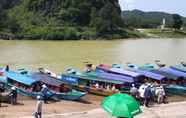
(121, 105)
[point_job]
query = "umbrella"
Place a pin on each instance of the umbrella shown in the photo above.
(121, 105)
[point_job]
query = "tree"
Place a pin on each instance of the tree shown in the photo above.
(177, 21)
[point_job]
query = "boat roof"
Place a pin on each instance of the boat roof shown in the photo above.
(110, 76)
(168, 75)
(92, 76)
(24, 79)
(172, 71)
(150, 74)
(47, 79)
(126, 72)
(179, 68)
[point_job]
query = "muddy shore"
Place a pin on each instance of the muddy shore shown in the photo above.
(88, 107)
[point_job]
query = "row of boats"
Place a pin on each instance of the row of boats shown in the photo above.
(103, 80)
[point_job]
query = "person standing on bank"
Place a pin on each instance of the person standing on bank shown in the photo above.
(147, 95)
(38, 109)
(13, 96)
(44, 91)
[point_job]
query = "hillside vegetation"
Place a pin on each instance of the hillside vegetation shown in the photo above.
(141, 19)
(61, 19)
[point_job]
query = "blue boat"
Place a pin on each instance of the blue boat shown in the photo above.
(86, 81)
(28, 86)
(173, 71)
(179, 68)
(172, 77)
(117, 73)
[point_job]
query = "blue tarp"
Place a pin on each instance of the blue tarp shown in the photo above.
(167, 75)
(116, 77)
(24, 79)
(172, 71)
(47, 79)
(126, 72)
(149, 74)
(108, 74)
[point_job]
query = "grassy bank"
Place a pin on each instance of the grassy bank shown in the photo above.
(157, 33)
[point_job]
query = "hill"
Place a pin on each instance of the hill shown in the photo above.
(141, 19)
(61, 19)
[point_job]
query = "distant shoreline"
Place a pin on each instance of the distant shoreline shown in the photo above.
(137, 34)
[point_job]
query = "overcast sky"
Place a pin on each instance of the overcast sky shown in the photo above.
(170, 6)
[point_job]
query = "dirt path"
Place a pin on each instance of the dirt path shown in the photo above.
(88, 107)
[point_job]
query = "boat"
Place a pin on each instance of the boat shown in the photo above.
(179, 68)
(173, 71)
(29, 85)
(117, 70)
(173, 80)
(60, 89)
(86, 81)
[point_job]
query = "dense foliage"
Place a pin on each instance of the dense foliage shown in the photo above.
(178, 22)
(140, 19)
(61, 19)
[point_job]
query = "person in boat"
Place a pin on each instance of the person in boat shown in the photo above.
(7, 68)
(44, 91)
(88, 68)
(134, 91)
(38, 109)
(108, 87)
(147, 95)
(97, 85)
(13, 96)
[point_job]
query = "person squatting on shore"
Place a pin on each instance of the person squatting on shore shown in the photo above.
(38, 110)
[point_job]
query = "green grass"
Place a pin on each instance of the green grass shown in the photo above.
(164, 34)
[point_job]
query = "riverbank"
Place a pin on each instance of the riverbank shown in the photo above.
(157, 33)
(88, 107)
(91, 35)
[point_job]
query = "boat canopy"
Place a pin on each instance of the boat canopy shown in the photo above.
(24, 79)
(167, 75)
(110, 76)
(172, 71)
(179, 68)
(126, 72)
(88, 76)
(47, 79)
(150, 74)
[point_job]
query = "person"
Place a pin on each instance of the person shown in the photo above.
(134, 91)
(7, 68)
(97, 85)
(13, 95)
(38, 109)
(161, 94)
(44, 92)
(108, 87)
(147, 95)
(88, 68)
(141, 93)
(113, 88)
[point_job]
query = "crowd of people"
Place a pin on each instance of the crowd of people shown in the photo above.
(149, 93)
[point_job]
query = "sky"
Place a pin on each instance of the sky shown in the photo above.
(170, 6)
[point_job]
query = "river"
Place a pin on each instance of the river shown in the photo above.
(59, 55)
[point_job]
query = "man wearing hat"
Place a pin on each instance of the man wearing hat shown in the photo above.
(38, 109)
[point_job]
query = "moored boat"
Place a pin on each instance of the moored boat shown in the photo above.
(28, 86)
(95, 84)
